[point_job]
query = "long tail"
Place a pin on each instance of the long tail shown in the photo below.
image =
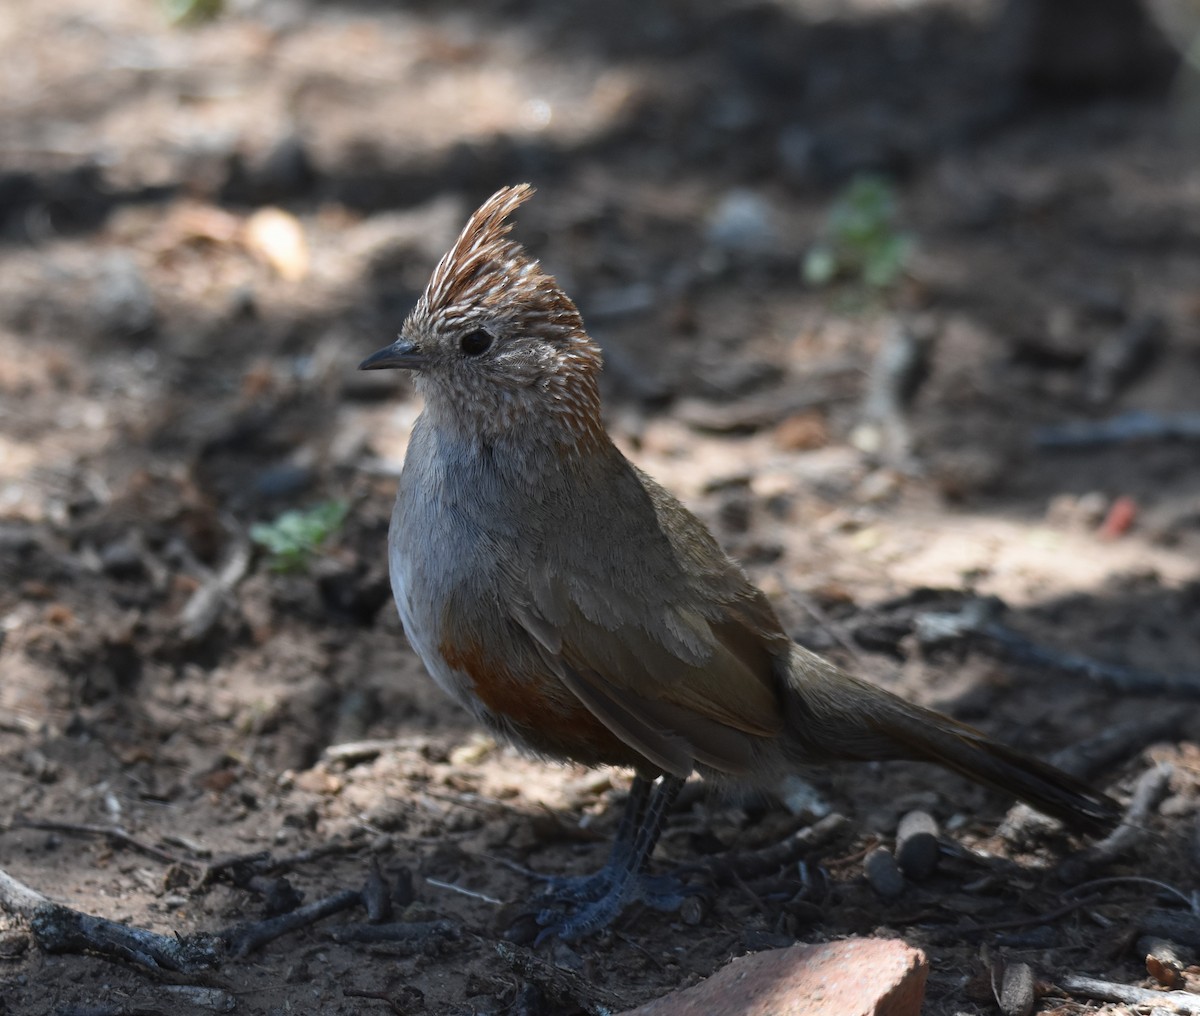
(832, 715)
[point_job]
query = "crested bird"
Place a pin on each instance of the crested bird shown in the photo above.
(577, 608)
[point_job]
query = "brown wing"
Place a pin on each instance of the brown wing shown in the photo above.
(659, 634)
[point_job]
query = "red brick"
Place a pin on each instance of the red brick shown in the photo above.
(853, 977)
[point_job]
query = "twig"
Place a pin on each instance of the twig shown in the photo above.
(1022, 824)
(60, 929)
(246, 938)
(1177, 925)
(1119, 742)
(1110, 991)
(115, 835)
(201, 611)
(899, 369)
(377, 895)
(978, 618)
(564, 989)
(273, 866)
(1137, 425)
(210, 872)
(191, 846)
(1188, 901)
(753, 863)
(438, 883)
(962, 930)
(1151, 786)
(1124, 680)
(353, 752)
(260, 862)
(396, 931)
(407, 1000)
(375, 996)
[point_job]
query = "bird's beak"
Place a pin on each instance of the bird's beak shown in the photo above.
(401, 353)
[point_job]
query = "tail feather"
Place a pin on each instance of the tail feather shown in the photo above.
(835, 716)
(972, 754)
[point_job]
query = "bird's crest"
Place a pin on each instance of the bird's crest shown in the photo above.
(483, 263)
(487, 280)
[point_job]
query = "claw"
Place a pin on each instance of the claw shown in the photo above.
(575, 907)
(664, 893)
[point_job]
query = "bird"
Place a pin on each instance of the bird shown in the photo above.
(578, 609)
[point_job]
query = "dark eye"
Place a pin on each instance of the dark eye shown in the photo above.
(476, 342)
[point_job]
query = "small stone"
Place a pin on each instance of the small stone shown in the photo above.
(917, 848)
(883, 874)
(693, 910)
(1018, 990)
(742, 223)
(122, 559)
(853, 977)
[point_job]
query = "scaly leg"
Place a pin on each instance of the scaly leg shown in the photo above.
(579, 907)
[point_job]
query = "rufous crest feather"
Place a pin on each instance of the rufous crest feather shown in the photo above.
(482, 257)
(487, 273)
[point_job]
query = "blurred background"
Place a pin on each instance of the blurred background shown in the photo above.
(900, 295)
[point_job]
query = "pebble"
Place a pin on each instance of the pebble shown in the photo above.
(122, 559)
(1018, 990)
(741, 223)
(917, 848)
(882, 873)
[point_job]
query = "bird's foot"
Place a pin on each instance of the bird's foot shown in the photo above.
(574, 908)
(576, 889)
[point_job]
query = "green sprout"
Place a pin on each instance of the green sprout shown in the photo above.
(294, 538)
(862, 241)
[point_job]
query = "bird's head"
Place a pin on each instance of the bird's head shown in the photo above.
(494, 344)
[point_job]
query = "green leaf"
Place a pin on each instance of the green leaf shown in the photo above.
(861, 241)
(295, 536)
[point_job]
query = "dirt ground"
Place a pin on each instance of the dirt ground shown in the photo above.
(176, 366)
